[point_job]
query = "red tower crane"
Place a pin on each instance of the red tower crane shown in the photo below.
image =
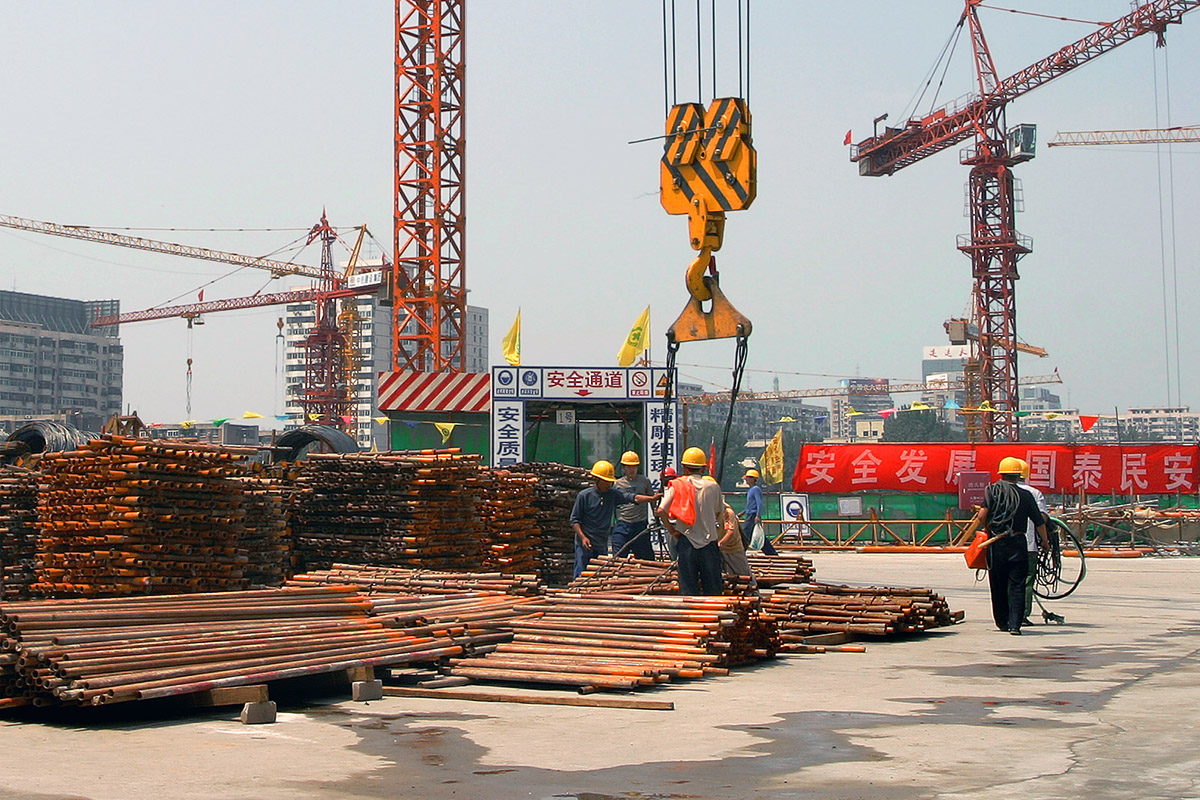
(993, 245)
(327, 394)
(429, 224)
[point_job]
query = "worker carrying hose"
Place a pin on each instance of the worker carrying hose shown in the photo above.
(592, 514)
(690, 511)
(1007, 509)
(1032, 539)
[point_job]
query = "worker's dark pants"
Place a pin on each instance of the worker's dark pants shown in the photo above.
(1030, 577)
(1008, 564)
(627, 533)
(584, 554)
(699, 567)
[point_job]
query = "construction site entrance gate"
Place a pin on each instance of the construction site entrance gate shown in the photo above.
(577, 415)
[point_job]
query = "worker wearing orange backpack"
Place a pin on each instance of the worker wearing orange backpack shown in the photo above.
(690, 510)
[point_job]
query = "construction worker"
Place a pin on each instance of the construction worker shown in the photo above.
(733, 553)
(1007, 510)
(669, 474)
(689, 510)
(753, 512)
(629, 534)
(1031, 538)
(592, 514)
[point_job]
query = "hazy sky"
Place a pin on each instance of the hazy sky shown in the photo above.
(166, 114)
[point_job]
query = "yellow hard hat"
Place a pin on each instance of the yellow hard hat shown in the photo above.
(604, 471)
(631, 458)
(709, 478)
(1024, 470)
(694, 457)
(751, 473)
(1010, 466)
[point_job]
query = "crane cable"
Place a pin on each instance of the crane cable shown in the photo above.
(671, 91)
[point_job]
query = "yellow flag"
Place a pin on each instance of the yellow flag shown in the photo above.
(772, 460)
(446, 428)
(512, 342)
(380, 420)
(637, 340)
(251, 415)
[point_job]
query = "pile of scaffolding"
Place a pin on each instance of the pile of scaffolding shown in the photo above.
(18, 533)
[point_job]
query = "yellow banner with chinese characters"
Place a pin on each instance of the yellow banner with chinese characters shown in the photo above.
(772, 460)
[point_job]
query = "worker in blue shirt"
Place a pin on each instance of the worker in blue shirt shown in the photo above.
(753, 512)
(592, 514)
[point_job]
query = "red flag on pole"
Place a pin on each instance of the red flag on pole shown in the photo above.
(849, 137)
(201, 297)
(712, 457)
(1086, 422)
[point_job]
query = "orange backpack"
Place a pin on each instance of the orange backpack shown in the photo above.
(683, 501)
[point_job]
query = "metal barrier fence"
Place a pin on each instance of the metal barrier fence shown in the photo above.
(850, 533)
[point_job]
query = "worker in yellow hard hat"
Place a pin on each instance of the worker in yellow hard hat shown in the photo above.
(752, 513)
(690, 510)
(1032, 540)
(1006, 511)
(629, 533)
(592, 514)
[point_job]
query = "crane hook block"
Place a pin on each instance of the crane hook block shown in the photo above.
(721, 321)
(708, 167)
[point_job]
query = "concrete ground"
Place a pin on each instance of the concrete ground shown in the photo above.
(1102, 707)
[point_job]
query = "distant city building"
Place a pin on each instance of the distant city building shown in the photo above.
(842, 421)
(226, 433)
(759, 419)
(375, 354)
(1176, 424)
(1038, 398)
(53, 362)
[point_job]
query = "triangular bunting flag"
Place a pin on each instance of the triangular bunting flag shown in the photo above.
(445, 429)
(951, 403)
(919, 406)
(219, 422)
(281, 417)
(347, 419)
(887, 412)
(380, 420)
(251, 415)
(1086, 422)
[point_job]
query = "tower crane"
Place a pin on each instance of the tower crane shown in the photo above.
(1177, 135)
(327, 395)
(994, 245)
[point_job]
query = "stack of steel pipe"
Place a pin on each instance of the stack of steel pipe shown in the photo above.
(553, 498)
(119, 649)
(512, 538)
(409, 509)
(614, 641)
(865, 611)
(398, 580)
(627, 575)
(18, 534)
(487, 618)
(265, 535)
(132, 516)
(781, 568)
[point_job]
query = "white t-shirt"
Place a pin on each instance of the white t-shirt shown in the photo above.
(1031, 537)
(709, 506)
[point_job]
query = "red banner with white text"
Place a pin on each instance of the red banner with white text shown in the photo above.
(1054, 468)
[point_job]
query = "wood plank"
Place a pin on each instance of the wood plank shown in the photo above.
(829, 638)
(230, 696)
(500, 697)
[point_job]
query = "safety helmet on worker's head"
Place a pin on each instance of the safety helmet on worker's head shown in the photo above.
(669, 473)
(751, 473)
(1025, 470)
(604, 471)
(694, 457)
(630, 458)
(708, 478)
(1009, 466)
